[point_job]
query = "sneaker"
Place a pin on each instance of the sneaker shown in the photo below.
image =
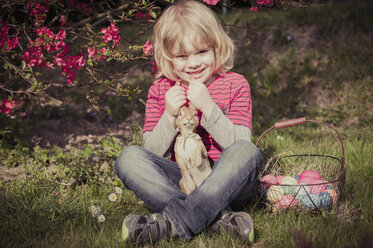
(148, 228)
(239, 223)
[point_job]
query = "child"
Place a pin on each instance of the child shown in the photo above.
(193, 55)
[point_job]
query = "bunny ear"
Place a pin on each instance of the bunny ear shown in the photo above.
(191, 105)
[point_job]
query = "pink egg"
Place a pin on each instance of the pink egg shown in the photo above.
(310, 173)
(320, 187)
(278, 179)
(269, 180)
(287, 201)
(306, 180)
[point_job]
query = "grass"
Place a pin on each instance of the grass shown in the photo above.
(325, 76)
(43, 212)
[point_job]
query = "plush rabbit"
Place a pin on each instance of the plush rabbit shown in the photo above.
(190, 152)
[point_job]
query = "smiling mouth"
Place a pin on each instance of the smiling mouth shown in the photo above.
(196, 72)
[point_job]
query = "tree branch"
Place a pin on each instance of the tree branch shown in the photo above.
(98, 16)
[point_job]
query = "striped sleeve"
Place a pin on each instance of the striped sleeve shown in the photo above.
(240, 112)
(153, 109)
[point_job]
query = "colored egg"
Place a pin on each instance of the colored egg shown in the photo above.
(326, 200)
(287, 201)
(288, 180)
(269, 180)
(318, 187)
(333, 194)
(310, 173)
(301, 190)
(306, 180)
(329, 186)
(310, 201)
(275, 193)
(279, 178)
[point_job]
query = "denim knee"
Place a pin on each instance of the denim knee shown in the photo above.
(248, 150)
(124, 165)
(252, 168)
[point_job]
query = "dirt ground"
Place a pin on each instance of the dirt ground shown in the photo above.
(68, 133)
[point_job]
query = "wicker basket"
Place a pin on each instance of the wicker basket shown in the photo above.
(293, 181)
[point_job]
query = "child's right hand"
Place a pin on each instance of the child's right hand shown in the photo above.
(175, 98)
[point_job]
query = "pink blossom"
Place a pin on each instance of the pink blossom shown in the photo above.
(139, 15)
(62, 20)
(107, 37)
(8, 106)
(61, 35)
(147, 49)
(39, 11)
(12, 43)
(4, 29)
(4, 33)
(55, 45)
(211, 2)
(254, 8)
(92, 52)
(5, 110)
(111, 34)
(264, 2)
(80, 61)
(103, 50)
(34, 56)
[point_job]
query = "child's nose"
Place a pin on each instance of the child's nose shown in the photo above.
(193, 61)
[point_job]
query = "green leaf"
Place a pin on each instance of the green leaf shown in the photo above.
(109, 59)
(89, 62)
(153, 14)
(5, 66)
(145, 3)
(23, 64)
(28, 75)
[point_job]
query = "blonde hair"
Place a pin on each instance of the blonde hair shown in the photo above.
(185, 17)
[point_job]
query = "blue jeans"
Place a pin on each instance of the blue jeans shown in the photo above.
(155, 180)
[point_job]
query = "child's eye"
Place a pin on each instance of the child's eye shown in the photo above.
(203, 51)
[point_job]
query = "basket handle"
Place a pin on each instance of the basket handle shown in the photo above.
(290, 123)
(301, 121)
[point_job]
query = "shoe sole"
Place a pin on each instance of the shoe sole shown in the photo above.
(252, 232)
(125, 231)
(249, 238)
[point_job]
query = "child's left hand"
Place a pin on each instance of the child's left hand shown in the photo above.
(199, 95)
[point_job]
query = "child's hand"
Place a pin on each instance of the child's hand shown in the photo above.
(175, 98)
(199, 95)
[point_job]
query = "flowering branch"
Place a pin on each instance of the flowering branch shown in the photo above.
(46, 36)
(100, 15)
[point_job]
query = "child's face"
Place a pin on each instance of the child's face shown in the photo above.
(194, 63)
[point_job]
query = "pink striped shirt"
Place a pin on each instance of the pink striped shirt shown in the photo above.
(231, 92)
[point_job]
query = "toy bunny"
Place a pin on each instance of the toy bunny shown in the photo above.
(190, 152)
